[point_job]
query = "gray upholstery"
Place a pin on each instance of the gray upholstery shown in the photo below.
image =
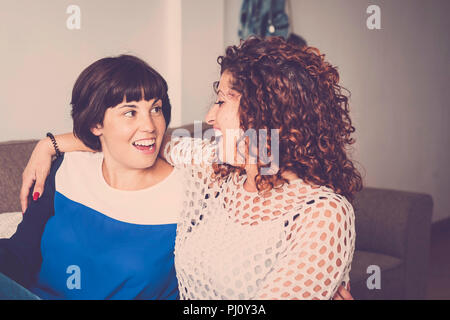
(392, 230)
(391, 269)
(13, 159)
(396, 224)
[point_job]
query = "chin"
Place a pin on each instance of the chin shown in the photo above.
(147, 164)
(237, 160)
(146, 161)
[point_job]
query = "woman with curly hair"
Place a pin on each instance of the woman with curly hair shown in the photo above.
(258, 229)
(285, 235)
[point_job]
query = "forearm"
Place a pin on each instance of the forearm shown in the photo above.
(165, 141)
(66, 142)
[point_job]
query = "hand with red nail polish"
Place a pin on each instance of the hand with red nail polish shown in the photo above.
(36, 171)
(36, 196)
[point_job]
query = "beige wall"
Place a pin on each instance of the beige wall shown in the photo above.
(399, 79)
(41, 58)
(202, 43)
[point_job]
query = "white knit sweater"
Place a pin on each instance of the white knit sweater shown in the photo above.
(296, 242)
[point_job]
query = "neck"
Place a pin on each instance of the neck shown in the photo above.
(130, 179)
(251, 170)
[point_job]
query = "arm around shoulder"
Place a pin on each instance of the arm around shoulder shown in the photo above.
(38, 166)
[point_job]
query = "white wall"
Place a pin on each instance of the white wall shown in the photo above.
(399, 79)
(202, 43)
(41, 58)
(231, 23)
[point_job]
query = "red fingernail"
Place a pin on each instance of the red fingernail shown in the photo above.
(35, 196)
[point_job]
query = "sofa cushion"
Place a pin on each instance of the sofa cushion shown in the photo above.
(8, 224)
(391, 276)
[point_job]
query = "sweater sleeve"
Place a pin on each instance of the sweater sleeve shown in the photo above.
(20, 256)
(319, 251)
(182, 152)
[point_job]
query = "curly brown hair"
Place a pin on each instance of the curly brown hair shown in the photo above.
(294, 90)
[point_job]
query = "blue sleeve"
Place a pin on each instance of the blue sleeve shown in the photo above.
(20, 256)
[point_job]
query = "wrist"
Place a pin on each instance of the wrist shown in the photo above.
(47, 146)
(55, 144)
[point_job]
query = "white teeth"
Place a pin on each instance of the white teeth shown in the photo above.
(145, 143)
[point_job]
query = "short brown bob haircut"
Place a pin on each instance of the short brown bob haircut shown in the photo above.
(104, 84)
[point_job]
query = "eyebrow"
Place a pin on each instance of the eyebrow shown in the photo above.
(228, 95)
(221, 92)
(134, 106)
(128, 106)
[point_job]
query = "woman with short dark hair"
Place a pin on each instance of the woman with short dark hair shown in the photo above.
(101, 229)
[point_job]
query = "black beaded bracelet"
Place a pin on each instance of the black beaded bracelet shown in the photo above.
(55, 145)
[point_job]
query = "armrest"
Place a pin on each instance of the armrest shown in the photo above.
(392, 222)
(397, 223)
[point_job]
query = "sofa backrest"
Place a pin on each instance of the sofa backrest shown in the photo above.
(388, 221)
(14, 156)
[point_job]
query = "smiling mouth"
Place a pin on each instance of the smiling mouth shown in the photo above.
(147, 146)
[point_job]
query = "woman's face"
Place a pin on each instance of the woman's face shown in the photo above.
(224, 117)
(132, 133)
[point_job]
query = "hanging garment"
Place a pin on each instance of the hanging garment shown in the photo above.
(263, 18)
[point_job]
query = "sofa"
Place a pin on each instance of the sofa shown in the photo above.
(392, 231)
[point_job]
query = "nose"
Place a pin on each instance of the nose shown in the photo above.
(211, 115)
(147, 124)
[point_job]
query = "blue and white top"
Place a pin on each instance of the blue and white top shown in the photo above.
(86, 251)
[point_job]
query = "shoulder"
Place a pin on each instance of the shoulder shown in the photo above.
(82, 156)
(81, 161)
(78, 169)
(320, 207)
(327, 200)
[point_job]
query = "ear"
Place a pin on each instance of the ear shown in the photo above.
(97, 130)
